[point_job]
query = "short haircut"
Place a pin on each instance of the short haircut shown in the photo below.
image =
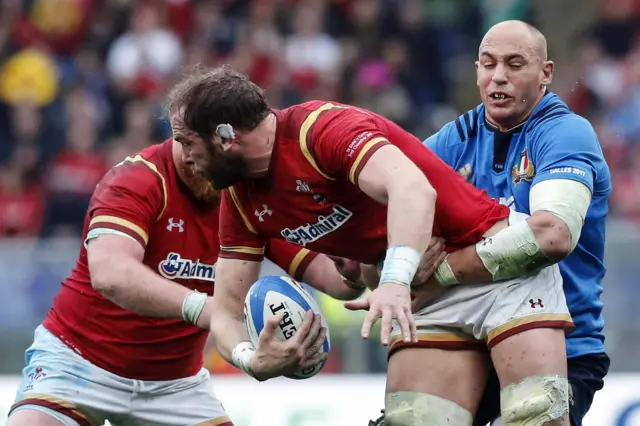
(209, 97)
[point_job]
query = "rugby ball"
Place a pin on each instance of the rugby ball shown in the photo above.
(272, 295)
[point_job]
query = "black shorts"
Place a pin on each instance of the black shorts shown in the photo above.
(586, 374)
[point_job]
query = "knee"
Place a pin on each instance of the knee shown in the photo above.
(416, 409)
(534, 401)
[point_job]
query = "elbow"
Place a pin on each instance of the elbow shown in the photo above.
(102, 271)
(552, 235)
(420, 189)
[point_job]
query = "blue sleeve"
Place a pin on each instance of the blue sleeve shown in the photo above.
(567, 148)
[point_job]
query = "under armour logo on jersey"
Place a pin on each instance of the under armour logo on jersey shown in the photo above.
(535, 303)
(302, 186)
(265, 210)
(172, 224)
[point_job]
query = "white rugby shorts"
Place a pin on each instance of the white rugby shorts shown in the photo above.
(480, 316)
(61, 383)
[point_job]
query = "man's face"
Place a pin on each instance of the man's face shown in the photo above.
(208, 159)
(511, 75)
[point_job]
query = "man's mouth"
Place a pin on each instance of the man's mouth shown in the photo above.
(499, 96)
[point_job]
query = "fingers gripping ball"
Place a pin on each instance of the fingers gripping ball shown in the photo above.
(274, 295)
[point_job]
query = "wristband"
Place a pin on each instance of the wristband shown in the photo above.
(400, 265)
(193, 305)
(444, 274)
(242, 355)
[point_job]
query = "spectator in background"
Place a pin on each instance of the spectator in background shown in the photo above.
(21, 197)
(145, 54)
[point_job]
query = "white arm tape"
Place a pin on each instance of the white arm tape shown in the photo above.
(193, 305)
(567, 199)
(512, 252)
(96, 232)
(242, 355)
(444, 274)
(400, 265)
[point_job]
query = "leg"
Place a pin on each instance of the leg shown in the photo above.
(524, 330)
(424, 386)
(532, 368)
(489, 408)
(60, 387)
(181, 402)
(447, 369)
(586, 374)
(34, 416)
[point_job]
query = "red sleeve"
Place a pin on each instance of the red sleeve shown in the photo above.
(341, 139)
(238, 238)
(290, 257)
(130, 198)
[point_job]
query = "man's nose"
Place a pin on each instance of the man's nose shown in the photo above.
(186, 157)
(499, 74)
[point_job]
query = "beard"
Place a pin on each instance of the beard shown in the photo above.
(224, 169)
(199, 186)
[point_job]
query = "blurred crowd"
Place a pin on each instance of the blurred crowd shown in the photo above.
(607, 90)
(82, 81)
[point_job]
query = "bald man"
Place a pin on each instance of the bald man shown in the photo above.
(524, 146)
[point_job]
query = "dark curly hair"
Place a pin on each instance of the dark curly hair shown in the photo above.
(214, 96)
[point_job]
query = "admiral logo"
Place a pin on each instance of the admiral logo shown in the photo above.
(311, 232)
(175, 267)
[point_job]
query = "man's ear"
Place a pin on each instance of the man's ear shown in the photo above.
(547, 72)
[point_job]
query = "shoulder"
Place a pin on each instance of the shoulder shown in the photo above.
(455, 132)
(466, 126)
(461, 129)
(146, 168)
(560, 128)
(143, 176)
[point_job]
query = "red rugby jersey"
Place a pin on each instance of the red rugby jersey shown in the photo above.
(310, 196)
(144, 198)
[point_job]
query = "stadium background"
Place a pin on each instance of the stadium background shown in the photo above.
(82, 84)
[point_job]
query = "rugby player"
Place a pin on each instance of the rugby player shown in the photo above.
(125, 336)
(349, 183)
(524, 146)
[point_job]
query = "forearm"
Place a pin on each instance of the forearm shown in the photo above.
(409, 225)
(228, 330)
(234, 277)
(135, 287)
(323, 275)
(410, 214)
(520, 249)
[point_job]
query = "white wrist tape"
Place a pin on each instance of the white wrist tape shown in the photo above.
(193, 305)
(567, 199)
(242, 355)
(400, 265)
(512, 252)
(444, 274)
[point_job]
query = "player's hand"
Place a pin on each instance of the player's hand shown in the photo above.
(389, 301)
(350, 269)
(431, 259)
(275, 357)
(425, 293)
